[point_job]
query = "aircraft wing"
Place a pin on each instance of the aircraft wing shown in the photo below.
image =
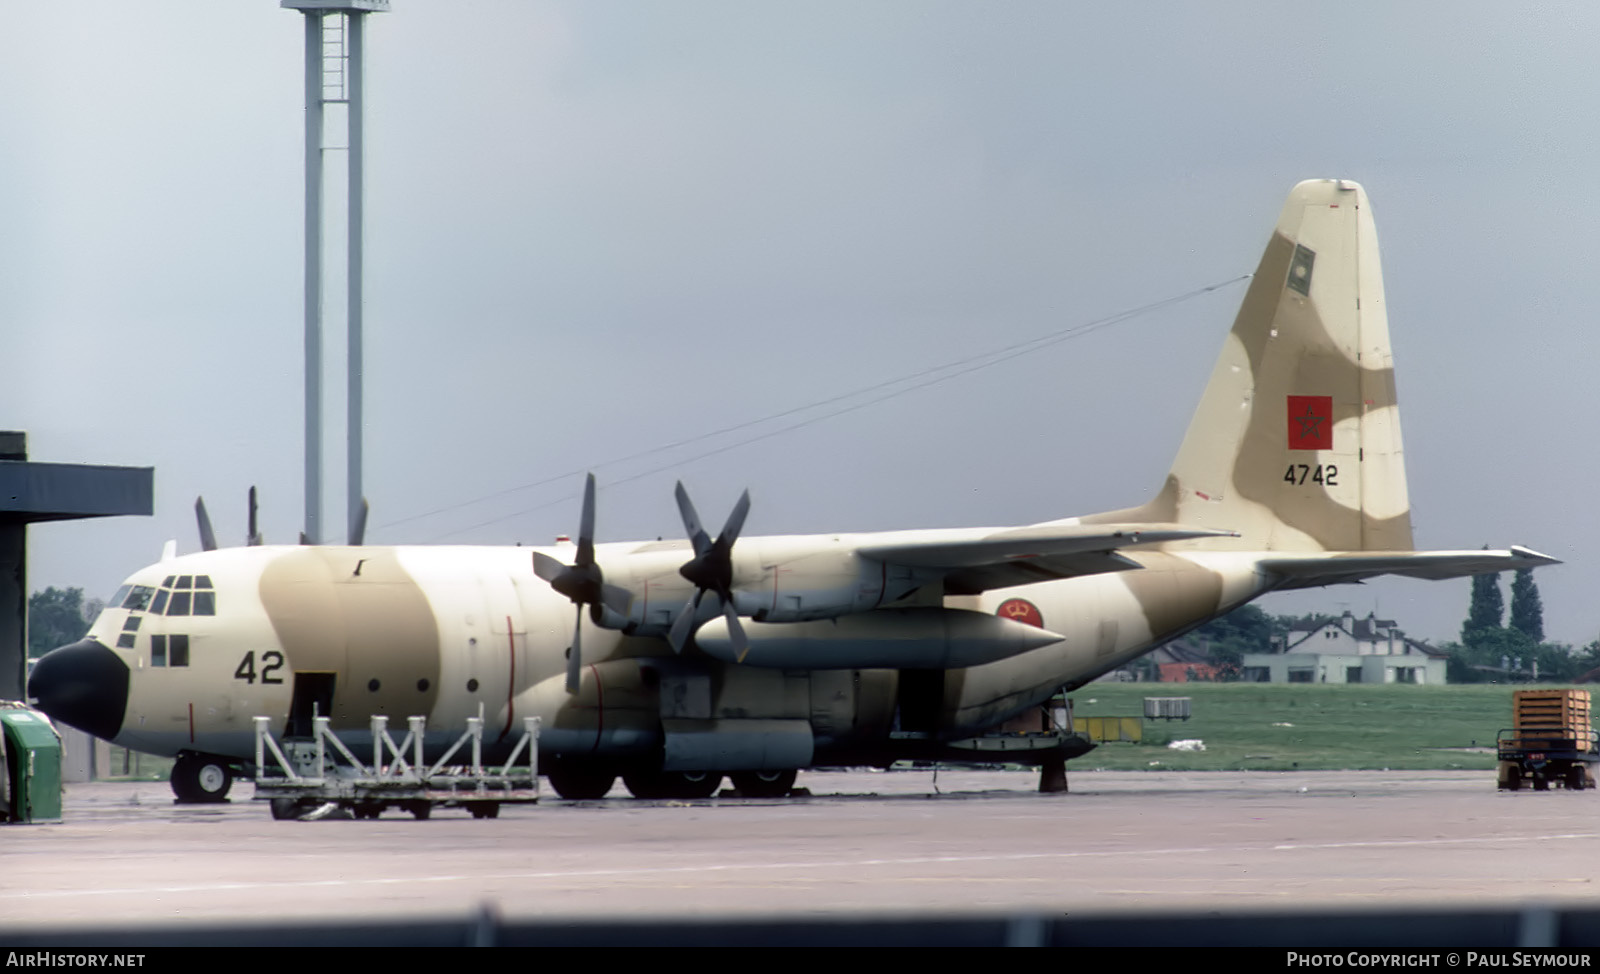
(1040, 553)
(1308, 571)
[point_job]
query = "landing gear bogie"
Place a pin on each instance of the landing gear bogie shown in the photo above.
(764, 784)
(672, 784)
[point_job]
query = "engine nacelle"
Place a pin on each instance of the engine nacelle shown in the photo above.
(775, 580)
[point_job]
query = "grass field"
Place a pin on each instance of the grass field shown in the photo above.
(1278, 727)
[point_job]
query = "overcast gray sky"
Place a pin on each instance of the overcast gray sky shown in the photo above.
(596, 229)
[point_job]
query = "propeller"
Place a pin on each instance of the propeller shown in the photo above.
(711, 570)
(208, 537)
(583, 582)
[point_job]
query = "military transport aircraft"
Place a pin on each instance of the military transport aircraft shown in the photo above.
(674, 663)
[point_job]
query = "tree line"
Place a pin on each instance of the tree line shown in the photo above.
(56, 617)
(1492, 648)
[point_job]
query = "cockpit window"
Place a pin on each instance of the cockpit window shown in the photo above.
(138, 598)
(116, 600)
(183, 595)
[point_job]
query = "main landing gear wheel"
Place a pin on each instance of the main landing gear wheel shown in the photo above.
(672, 784)
(197, 779)
(580, 784)
(764, 784)
(291, 809)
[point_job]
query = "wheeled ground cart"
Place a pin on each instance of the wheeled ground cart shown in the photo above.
(1552, 741)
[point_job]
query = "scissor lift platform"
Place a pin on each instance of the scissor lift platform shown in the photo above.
(308, 777)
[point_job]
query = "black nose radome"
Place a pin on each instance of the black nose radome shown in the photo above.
(84, 685)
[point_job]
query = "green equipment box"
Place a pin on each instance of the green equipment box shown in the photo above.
(30, 766)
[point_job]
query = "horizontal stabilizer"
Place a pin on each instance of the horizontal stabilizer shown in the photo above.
(1343, 567)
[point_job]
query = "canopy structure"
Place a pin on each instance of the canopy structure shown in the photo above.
(32, 492)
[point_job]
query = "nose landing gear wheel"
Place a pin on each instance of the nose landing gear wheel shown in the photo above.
(197, 779)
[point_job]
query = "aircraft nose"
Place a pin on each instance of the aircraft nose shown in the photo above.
(83, 685)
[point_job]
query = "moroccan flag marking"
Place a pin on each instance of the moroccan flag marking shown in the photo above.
(1310, 422)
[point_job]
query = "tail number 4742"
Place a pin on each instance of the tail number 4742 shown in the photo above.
(1303, 473)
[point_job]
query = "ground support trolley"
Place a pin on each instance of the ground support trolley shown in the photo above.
(1545, 757)
(321, 775)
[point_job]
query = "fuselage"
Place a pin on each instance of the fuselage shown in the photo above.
(213, 639)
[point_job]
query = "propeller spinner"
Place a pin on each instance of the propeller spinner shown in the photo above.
(583, 582)
(711, 570)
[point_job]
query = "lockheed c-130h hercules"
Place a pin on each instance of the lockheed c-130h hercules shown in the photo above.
(675, 663)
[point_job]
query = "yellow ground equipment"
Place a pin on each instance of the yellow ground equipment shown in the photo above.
(1551, 740)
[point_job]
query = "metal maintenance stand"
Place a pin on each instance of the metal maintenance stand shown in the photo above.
(308, 777)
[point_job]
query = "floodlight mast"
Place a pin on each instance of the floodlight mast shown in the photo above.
(333, 74)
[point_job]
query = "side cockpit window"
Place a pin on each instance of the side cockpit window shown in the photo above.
(169, 650)
(136, 597)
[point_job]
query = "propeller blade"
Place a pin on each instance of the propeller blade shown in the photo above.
(575, 654)
(252, 536)
(546, 567)
(691, 521)
(736, 636)
(208, 538)
(616, 598)
(358, 530)
(730, 531)
(683, 626)
(586, 526)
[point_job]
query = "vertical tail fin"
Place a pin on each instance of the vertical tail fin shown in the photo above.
(1296, 442)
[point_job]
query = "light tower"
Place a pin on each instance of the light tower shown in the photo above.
(333, 76)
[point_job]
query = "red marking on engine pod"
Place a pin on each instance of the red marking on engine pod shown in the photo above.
(1021, 610)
